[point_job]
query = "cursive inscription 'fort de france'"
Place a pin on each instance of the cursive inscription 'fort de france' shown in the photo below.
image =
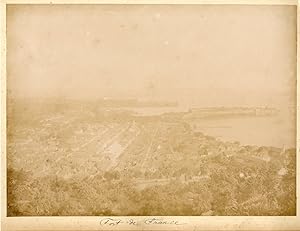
(148, 221)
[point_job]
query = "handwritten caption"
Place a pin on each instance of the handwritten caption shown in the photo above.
(148, 221)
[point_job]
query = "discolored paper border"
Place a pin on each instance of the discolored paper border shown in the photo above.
(135, 222)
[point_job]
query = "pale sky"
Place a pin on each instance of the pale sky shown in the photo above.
(198, 55)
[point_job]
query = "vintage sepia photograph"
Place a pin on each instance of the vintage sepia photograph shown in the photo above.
(151, 110)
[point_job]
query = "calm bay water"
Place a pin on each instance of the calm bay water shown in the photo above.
(274, 131)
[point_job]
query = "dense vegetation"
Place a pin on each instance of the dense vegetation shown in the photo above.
(255, 188)
(57, 166)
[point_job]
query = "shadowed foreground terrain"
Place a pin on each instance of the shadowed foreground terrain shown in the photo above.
(74, 160)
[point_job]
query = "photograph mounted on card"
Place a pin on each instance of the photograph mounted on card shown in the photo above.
(153, 116)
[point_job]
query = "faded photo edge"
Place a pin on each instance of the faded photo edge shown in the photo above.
(131, 222)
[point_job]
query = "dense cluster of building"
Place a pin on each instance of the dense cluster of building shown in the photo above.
(139, 154)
